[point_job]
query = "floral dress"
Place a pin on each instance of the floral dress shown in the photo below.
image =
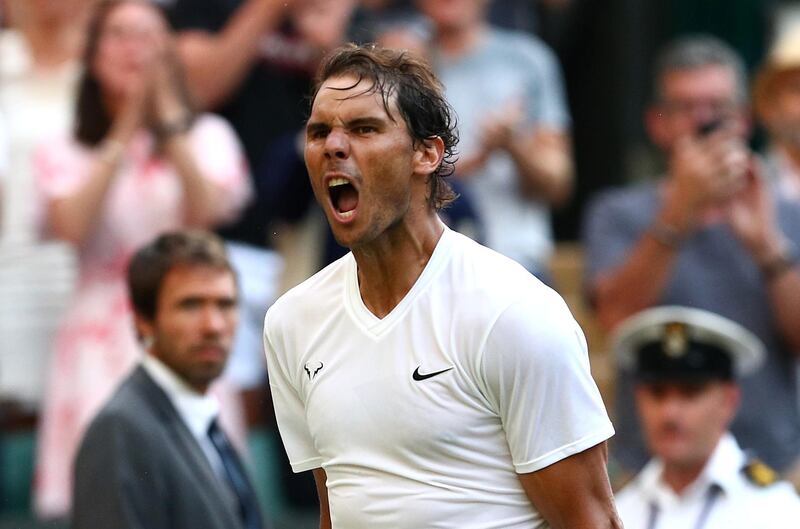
(96, 346)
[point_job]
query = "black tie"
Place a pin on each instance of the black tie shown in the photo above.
(237, 479)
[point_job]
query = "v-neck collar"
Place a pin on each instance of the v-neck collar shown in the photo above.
(369, 322)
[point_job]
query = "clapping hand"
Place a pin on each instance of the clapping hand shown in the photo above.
(705, 173)
(751, 216)
(499, 128)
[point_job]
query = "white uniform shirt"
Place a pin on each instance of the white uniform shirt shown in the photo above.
(739, 503)
(423, 418)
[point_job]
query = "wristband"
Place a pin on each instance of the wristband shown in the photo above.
(172, 128)
(665, 234)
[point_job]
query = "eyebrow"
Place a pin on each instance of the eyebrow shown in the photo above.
(369, 120)
(317, 126)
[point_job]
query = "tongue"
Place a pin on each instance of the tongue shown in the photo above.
(347, 199)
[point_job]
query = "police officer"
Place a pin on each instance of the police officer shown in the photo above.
(686, 363)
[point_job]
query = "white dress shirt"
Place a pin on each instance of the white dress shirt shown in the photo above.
(649, 503)
(197, 410)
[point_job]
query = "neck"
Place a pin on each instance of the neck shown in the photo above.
(112, 103)
(679, 477)
(54, 42)
(389, 267)
(455, 41)
(198, 387)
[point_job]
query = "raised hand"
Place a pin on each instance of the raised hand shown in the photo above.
(704, 173)
(170, 107)
(751, 216)
(499, 128)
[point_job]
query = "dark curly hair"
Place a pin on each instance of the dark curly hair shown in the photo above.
(419, 95)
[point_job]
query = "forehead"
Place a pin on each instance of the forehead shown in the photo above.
(680, 387)
(197, 281)
(714, 80)
(137, 14)
(346, 96)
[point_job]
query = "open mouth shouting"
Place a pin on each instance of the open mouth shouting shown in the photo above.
(344, 198)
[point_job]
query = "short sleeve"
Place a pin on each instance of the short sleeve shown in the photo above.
(537, 376)
(608, 233)
(60, 168)
(220, 158)
(289, 409)
(547, 99)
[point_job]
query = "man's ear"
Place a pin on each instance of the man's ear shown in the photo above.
(428, 155)
(733, 397)
(145, 328)
(656, 124)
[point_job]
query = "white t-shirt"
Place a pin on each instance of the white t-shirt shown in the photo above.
(423, 418)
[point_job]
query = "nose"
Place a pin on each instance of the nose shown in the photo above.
(337, 144)
(671, 407)
(214, 321)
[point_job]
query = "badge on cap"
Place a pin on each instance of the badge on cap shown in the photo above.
(676, 340)
(685, 342)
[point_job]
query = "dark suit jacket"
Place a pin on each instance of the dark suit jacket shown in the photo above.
(139, 467)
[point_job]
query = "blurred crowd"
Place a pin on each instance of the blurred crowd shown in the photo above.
(122, 119)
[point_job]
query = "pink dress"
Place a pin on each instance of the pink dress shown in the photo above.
(96, 346)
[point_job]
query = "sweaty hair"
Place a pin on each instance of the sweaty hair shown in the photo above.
(151, 264)
(698, 51)
(419, 96)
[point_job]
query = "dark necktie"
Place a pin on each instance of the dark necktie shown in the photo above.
(237, 479)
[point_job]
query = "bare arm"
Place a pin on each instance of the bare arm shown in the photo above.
(784, 294)
(752, 218)
(544, 162)
(322, 491)
(637, 283)
(201, 196)
(542, 156)
(574, 493)
(217, 64)
(702, 173)
(71, 218)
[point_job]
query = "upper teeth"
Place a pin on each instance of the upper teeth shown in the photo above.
(333, 182)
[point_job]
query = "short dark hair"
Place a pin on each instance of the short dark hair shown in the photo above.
(419, 95)
(92, 119)
(151, 264)
(698, 51)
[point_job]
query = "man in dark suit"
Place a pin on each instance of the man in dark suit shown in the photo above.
(154, 457)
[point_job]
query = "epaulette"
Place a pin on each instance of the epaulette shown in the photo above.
(759, 473)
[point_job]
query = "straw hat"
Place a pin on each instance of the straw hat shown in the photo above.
(784, 56)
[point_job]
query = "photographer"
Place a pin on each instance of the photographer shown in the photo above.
(709, 235)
